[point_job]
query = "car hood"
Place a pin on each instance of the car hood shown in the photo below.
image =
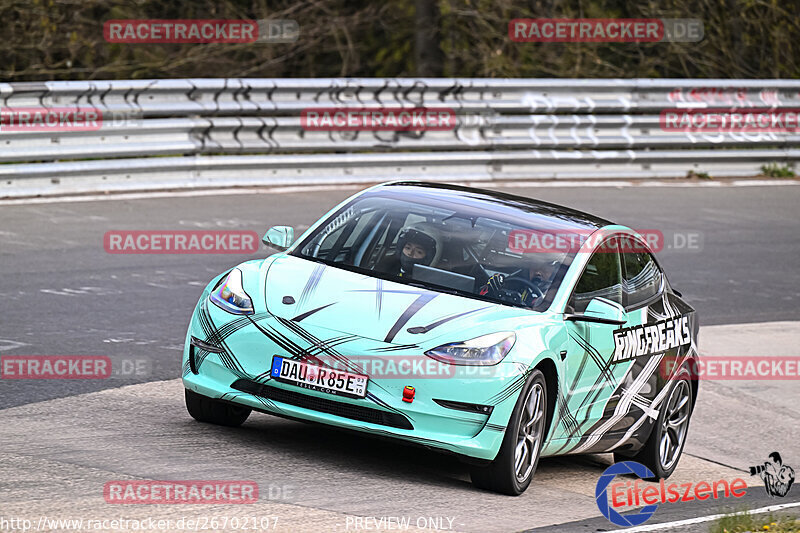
(378, 309)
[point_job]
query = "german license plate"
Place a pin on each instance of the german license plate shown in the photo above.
(319, 378)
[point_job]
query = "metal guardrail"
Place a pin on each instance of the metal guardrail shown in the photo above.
(209, 132)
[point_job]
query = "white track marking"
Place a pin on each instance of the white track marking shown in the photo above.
(316, 188)
(701, 519)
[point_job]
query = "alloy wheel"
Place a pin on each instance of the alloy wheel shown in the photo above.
(529, 434)
(675, 424)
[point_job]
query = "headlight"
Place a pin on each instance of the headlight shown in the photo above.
(230, 295)
(486, 350)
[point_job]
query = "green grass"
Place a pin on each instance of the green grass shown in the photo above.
(741, 522)
(773, 170)
(698, 175)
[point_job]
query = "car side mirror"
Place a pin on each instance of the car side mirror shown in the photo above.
(600, 311)
(279, 237)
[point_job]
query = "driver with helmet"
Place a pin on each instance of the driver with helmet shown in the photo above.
(526, 285)
(417, 244)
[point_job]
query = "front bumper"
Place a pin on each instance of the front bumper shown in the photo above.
(235, 355)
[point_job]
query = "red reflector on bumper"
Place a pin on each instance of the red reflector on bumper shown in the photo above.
(408, 394)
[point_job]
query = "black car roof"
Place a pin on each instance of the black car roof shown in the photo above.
(531, 209)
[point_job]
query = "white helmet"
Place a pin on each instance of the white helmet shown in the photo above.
(427, 236)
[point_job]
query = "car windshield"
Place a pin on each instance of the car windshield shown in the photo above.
(465, 248)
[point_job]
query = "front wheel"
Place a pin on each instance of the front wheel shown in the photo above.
(512, 470)
(663, 448)
(205, 409)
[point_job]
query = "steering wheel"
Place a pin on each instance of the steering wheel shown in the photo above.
(515, 287)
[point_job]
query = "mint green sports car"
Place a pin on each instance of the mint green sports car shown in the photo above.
(492, 326)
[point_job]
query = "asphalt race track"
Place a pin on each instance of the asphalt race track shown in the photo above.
(732, 251)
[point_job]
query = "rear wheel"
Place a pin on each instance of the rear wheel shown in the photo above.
(663, 448)
(512, 470)
(205, 409)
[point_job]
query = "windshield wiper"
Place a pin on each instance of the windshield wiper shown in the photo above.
(436, 288)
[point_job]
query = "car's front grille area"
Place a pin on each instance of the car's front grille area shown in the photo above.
(323, 405)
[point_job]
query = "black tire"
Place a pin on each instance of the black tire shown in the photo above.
(501, 474)
(650, 454)
(205, 409)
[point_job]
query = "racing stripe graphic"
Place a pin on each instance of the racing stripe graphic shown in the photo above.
(570, 422)
(567, 418)
(303, 316)
(602, 365)
(510, 389)
(570, 446)
(412, 438)
(426, 329)
(371, 396)
(311, 284)
(215, 336)
(298, 352)
(288, 345)
(378, 296)
(624, 404)
(226, 357)
(644, 369)
(650, 410)
(591, 397)
(635, 395)
(266, 402)
(412, 309)
(396, 348)
(327, 347)
(262, 377)
(319, 346)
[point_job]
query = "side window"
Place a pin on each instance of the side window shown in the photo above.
(642, 279)
(324, 241)
(328, 241)
(601, 278)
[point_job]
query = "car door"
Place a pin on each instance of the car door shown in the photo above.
(589, 374)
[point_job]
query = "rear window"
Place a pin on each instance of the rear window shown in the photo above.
(642, 280)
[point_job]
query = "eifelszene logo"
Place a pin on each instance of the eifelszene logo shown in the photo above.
(627, 494)
(601, 494)
(777, 477)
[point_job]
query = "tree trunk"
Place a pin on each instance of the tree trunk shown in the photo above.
(427, 52)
